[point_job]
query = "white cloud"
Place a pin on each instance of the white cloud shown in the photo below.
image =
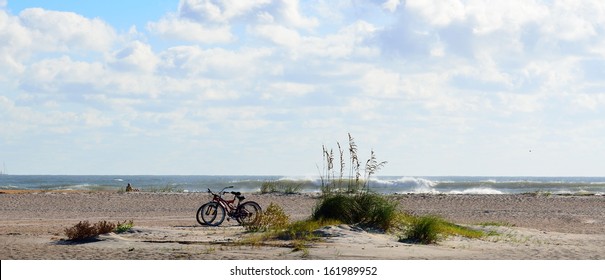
(346, 42)
(217, 11)
(290, 11)
(439, 13)
(135, 56)
(590, 102)
(391, 5)
(63, 75)
(193, 61)
(187, 30)
(15, 43)
(509, 16)
(65, 31)
(573, 20)
(286, 90)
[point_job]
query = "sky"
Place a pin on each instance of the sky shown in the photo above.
(211, 87)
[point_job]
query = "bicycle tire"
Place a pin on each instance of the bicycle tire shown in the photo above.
(248, 213)
(211, 214)
(198, 215)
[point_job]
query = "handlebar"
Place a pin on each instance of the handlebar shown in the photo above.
(236, 194)
(222, 191)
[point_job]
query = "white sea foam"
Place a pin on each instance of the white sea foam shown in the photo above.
(476, 191)
(416, 185)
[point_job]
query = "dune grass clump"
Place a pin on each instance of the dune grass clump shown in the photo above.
(84, 230)
(273, 218)
(104, 227)
(302, 230)
(431, 229)
(376, 211)
(123, 227)
(340, 207)
(423, 230)
(365, 209)
(350, 200)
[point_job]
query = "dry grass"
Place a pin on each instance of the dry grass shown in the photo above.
(273, 218)
(84, 230)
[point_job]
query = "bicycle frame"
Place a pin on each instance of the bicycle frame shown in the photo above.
(214, 212)
(229, 205)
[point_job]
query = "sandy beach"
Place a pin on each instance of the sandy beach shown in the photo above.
(529, 226)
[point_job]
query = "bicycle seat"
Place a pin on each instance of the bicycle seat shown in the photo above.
(238, 195)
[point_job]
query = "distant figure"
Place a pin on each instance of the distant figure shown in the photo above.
(129, 188)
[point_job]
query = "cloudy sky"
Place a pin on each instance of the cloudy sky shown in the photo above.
(257, 87)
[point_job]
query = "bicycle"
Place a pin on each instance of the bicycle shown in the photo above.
(213, 213)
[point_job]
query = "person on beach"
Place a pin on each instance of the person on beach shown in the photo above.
(129, 188)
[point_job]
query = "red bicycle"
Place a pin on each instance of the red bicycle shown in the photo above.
(213, 213)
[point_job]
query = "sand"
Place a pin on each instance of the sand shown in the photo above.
(528, 227)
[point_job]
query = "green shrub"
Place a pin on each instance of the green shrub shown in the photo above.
(430, 229)
(272, 218)
(423, 230)
(375, 211)
(340, 207)
(301, 230)
(124, 227)
(365, 209)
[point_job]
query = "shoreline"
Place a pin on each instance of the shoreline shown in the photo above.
(530, 227)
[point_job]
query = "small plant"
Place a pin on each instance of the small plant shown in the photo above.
(430, 229)
(104, 227)
(273, 218)
(423, 230)
(300, 245)
(80, 231)
(84, 230)
(375, 211)
(300, 230)
(124, 227)
(496, 224)
(366, 209)
(340, 207)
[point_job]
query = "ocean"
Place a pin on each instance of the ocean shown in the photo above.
(380, 184)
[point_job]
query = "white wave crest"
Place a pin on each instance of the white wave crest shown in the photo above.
(476, 191)
(416, 185)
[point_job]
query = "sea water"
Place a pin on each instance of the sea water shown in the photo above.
(380, 184)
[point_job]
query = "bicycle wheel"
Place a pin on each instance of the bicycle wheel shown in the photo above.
(248, 213)
(211, 214)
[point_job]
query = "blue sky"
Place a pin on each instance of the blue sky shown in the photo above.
(257, 87)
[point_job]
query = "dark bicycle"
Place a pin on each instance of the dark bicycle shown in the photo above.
(213, 213)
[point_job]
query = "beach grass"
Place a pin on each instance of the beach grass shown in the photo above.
(124, 226)
(431, 229)
(272, 218)
(282, 186)
(365, 209)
